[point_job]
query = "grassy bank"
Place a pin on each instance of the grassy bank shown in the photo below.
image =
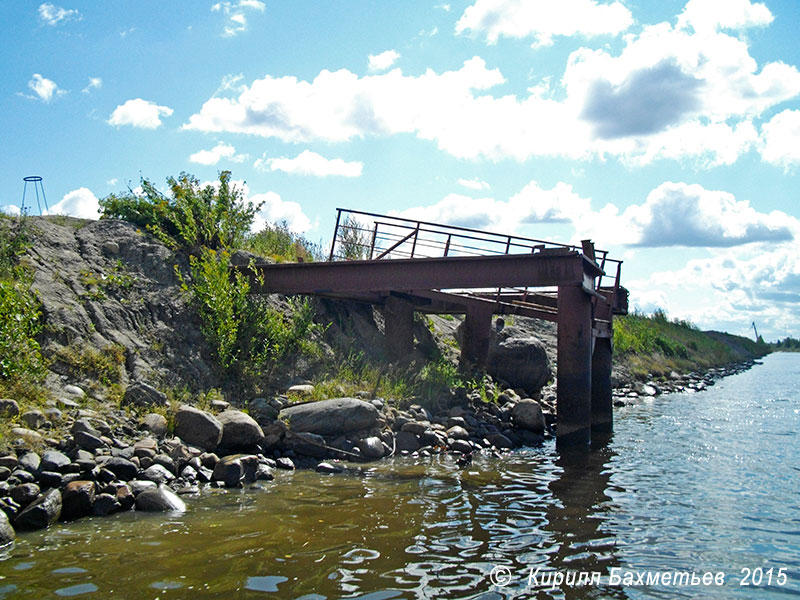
(654, 346)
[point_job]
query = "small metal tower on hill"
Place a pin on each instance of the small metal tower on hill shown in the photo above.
(38, 186)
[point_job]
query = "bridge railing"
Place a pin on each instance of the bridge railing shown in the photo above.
(363, 235)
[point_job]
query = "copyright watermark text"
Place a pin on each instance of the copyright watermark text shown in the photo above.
(538, 578)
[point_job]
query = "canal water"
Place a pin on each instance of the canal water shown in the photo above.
(696, 495)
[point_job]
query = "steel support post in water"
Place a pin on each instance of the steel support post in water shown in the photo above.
(477, 332)
(398, 316)
(574, 390)
(602, 405)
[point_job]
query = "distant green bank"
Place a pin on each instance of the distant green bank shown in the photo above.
(654, 345)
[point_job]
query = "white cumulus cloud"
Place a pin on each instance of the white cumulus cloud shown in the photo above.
(543, 19)
(668, 92)
(45, 89)
(780, 139)
(382, 61)
(50, 14)
(473, 184)
(235, 14)
(711, 15)
(217, 153)
(276, 210)
(311, 163)
(95, 83)
(81, 203)
(139, 113)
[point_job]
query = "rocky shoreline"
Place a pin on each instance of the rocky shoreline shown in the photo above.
(114, 462)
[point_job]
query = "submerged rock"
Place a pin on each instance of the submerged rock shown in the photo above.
(161, 499)
(7, 534)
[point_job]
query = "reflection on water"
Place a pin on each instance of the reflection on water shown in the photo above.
(704, 482)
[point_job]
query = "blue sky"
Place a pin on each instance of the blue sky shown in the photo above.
(666, 131)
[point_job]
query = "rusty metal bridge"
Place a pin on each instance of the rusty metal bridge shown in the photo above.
(407, 266)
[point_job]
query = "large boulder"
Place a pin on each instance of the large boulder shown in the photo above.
(78, 498)
(520, 361)
(527, 414)
(331, 417)
(141, 394)
(41, 513)
(161, 499)
(239, 430)
(198, 428)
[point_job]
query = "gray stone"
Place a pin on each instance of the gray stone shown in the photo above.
(154, 423)
(74, 391)
(53, 460)
(161, 499)
(416, 427)
(26, 435)
(50, 479)
(326, 467)
(331, 417)
(8, 408)
(527, 414)
(85, 425)
(33, 418)
(166, 462)
(24, 493)
(30, 461)
(53, 415)
(498, 440)
(141, 394)
(9, 460)
(87, 441)
(264, 473)
(78, 498)
(220, 405)
(406, 441)
(462, 446)
(198, 428)
(105, 504)
(285, 463)
(262, 411)
(122, 468)
(41, 513)
(146, 447)
(301, 389)
(371, 447)
(7, 534)
(519, 360)
(138, 486)
(158, 474)
(458, 433)
(239, 431)
(306, 444)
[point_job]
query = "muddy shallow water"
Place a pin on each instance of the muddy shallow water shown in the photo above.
(694, 483)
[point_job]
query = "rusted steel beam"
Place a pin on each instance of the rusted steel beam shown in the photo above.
(602, 402)
(533, 270)
(574, 389)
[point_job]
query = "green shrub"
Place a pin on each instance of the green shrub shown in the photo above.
(20, 354)
(21, 362)
(282, 245)
(245, 333)
(193, 217)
